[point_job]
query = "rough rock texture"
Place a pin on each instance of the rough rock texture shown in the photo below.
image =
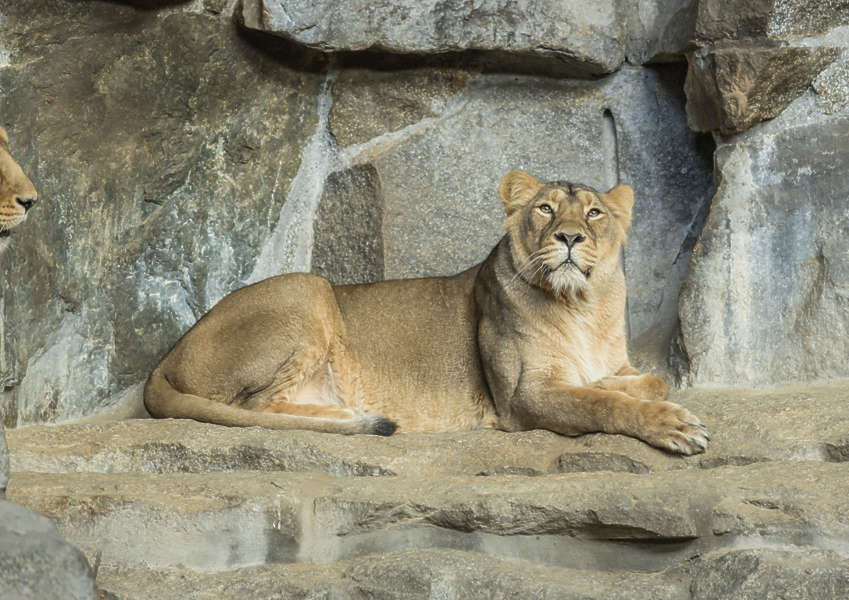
(430, 573)
(300, 514)
(217, 521)
(776, 19)
(4, 462)
(36, 562)
(730, 88)
(767, 299)
(746, 426)
(753, 575)
(806, 575)
(754, 58)
(571, 38)
(159, 179)
(588, 37)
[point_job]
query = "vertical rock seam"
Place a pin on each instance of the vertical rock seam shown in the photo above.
(610, 149)
(289, 249)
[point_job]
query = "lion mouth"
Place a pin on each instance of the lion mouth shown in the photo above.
(4, 233)
(571, 264)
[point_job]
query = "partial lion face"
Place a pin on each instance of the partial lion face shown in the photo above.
(17, 193)
(563, 233)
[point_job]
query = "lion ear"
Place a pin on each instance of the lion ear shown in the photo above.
(516, 190)
(620, 199)
(4, 137)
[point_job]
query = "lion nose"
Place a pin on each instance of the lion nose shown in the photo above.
(570, 239)
(27, 202)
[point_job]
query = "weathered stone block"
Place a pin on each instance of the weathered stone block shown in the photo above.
(777, 19)
(588, 37)
(348, 229)
(36, 562)
(732, 87)
(4, 462)
(163, 146)
(767, 297)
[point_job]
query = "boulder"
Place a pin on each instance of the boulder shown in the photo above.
(732, 87)
(752, 59)
(36, 562)
(588, 38)
(774, 19)
(766, 297)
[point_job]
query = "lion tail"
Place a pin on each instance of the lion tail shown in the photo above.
(162, 401)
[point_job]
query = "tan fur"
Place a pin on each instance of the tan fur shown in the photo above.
(527, 339)
(17, 193)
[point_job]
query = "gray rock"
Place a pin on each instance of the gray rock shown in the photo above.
(163, 146)
(758, 573)
(766, 297)
(4, 462)
(795, 423)
(660, 30)
(587, 37)
(732, 87)
(216, 521)
(368, 104)
(776, 19)
(36, 562)
(348, 229)
(832, 86)
(408, 575)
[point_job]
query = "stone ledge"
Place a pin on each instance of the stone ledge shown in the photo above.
(805, 574)
(617, 521)
(747, 426)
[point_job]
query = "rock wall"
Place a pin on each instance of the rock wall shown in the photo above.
(184, 149)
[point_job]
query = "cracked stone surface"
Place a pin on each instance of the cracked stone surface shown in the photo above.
(588, 37)
(747, 426)
(766, 297)
(36, 562)
(155, 202)
(158, 502)
(4, 462)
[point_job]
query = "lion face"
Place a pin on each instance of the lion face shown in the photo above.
(17, 193)
(564, 234)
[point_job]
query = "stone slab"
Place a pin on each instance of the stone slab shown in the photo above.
(766, 297)
(747, 426)
(36, 563)
(607, 521)
(406, 575)
(590, 38)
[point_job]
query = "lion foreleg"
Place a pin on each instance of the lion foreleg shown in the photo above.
(574, 410)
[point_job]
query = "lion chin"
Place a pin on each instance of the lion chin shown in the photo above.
(533, 337)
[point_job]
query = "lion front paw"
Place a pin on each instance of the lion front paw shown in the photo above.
(672, 427)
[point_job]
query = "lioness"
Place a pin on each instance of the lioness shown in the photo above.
(17, 193)
(534, 337)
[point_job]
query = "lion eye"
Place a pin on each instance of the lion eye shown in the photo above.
(545, 208)
(593, 212)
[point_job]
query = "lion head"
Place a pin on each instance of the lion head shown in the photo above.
(17, 193)
(564, 234)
